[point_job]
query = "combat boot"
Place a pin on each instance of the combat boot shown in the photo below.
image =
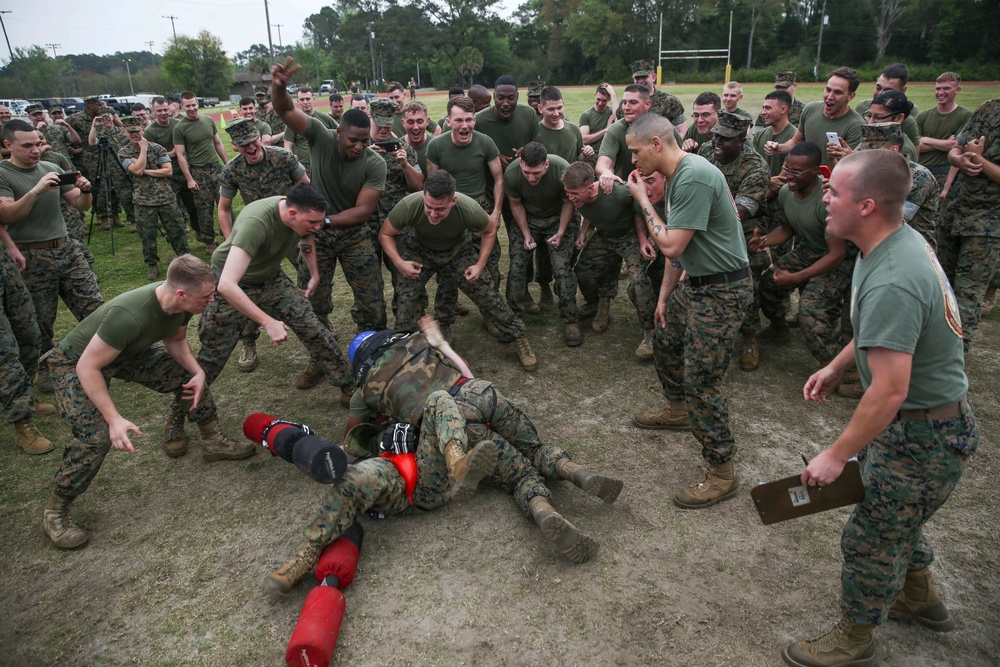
(58, 525)
(524, 353)
(673, 416)
(989, 301)
(847, 644)
(282, 580)
(462, 309)
(592, 482)
(779, 329)
(133, 228)
(567, 538)
(467, 468)
(850, 385)
(44, 379)
(210, 248)
(28, 438)
(547, 298)
(175, 442)
(215, 446)
(491, 328)
(529, 304)
(248, 356)
(346, 394)
(42, 409)
(720, 483)
(153, 274)
(750, 354)
(919, 601)
(645, 349)
(588, 309)
(572, 335)
(105, 223)
(603, 317)
(310, 377)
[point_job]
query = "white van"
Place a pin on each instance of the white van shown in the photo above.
(16, 107)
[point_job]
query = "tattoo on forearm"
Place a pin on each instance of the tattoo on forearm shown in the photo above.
(657, 229)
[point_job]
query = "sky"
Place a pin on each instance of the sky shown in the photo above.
(102, 28)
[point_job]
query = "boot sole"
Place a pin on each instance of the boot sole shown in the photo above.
(661, 427)
(605, 488)
(209, 457)
(247, 368)
(275, 587)
(711, 503)
(75, 547)
(571, 543)
(796, 662)
(36, 452)
(46, 413)
(946, 625)
(482, 462)
(175, 453)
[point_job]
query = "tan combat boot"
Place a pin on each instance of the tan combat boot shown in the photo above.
(248, 356)
(850, 385)
(215, 446)
(592, 482)
(105, 222)
(529, 304)
(567, 538)
(720, 483)
(282, 580)
(153, 274)
(28, 438)
(749, 353)
(847, 644)
(645, 349)
(58, 525)
(572, 335)
(44, 379)
(919, 601)
(467, 468)
(673, 417)
(175, 442)
(462, 309)
(42, 409)
(310, 377)
(524, 353)
(603, 317)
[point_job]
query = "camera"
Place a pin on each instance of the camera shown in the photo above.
(390, 146)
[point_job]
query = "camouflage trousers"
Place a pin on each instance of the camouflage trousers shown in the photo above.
(76, 229)
(221, 326)
(54, 273)
(446, 297)
(970, 262)
(147, 218)
(759, 262)
(449, 266)
(361, 267)
(91, 442)
(909, 471)
(820, 300)
(205, 199)
(597, 272)
(19, 337)
(561, 264)
(692, 356)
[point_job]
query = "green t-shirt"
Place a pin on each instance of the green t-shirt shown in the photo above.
(421, 152)
(807, 217)
(44, 222)
(774, 162)
(467, 164)
(902, 301)
(198, 138)
(300, 146)
(613, 215)
(615, 147)
(596, 121)
(58, 159)
(693, 133)
(130, 322)
(910, 128)
(465, 216)
(543, 200)
(262, 127)
(698, 198)
(400, 131)
(814, 126)
(932, 123)
(260, 232)
(162, 135)
(567, 143)
(508, 135)
(340, 179)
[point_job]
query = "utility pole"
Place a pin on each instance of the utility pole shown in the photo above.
(267, 19)
(129, 70)
(62, 85)
(152, 56)
(279, 26)
(11, 51)
(316, 52)
(172, 26)
(819, 46)
(371, 43)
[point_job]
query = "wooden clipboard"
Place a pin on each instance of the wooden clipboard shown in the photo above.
(787, 498)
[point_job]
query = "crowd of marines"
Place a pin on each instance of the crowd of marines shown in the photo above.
(712, 223)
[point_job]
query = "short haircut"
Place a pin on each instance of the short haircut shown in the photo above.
(894, 101)
(394, 85)
(708, 97)
(853, 80)
(157, 100)
(358, 96)
(188, 95)
(336, 97)
(415, 106)
(456, 90)
(810, 150)
(578, 175)
(303, 89)
(505, 80)
(781, 95)
(603, 90)
(188, 272)
(306, 197)
(550, 94)
(733, 85)
(464, 103)
(897, 71)
(15, 125)
(950, 76)
(138, 107)
(355, 118)
(650, 125)
(639, 89)
(247, 100)
(440, 185)
(882, 176)
(534, 154)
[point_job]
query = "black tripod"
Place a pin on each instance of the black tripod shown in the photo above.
(103, 183)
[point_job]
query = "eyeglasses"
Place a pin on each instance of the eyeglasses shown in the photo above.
(868, 115)
(707, 114)
(796, 172)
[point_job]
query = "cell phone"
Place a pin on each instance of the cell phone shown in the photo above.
(68, 177)
(832, 138)
(390, 146)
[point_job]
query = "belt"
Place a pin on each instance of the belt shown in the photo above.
(937, 171)
(934, 414)
(719, 278)
(458, 383)
(54, 243)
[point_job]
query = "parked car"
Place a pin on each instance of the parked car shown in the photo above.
(328, 86)
(71, 104)
(14, 105)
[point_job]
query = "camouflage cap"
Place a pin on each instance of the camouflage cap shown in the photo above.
(879, 134)
(132, 124)
(643, 67)
(243, 131)
(731, 125)
(382, 111)
(535, 88)
(56, 109)
(93, 99)
(261, 90)
(34, 108)
(784, 79)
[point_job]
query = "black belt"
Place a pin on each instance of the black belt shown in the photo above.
(935, 414)
(719, 278)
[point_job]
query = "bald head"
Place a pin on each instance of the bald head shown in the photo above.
(480, 96)
(650, 125)
(882, 176)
